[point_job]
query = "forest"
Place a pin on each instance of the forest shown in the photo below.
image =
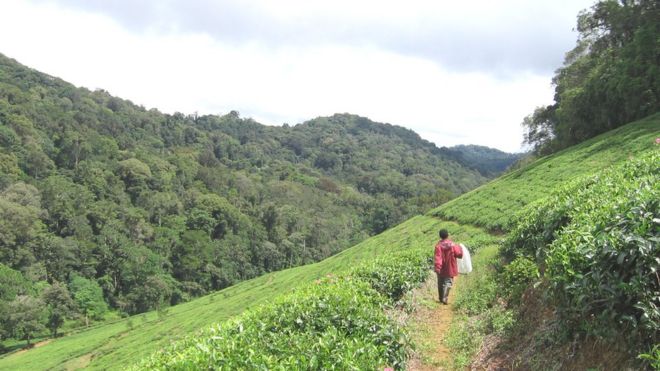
(109, 208)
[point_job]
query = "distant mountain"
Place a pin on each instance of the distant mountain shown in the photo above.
(487, 161)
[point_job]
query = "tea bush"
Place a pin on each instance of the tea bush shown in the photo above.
(394, 276)
(598, 240)
(516, 277)
(337, 322)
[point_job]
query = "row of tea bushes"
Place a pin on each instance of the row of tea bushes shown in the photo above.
(597, 241)
(337, 322)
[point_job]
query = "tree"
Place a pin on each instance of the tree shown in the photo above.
(26, 317)
(191, 255)
(19, 229)
(540, 129)
(61, 256)
(64, 200)
(12, 283)
(89, 297)
(36, 162)
(139, 202)
(383, 214)
(135, 175)
(59, 306)
(140, 279)
(162, 204)
(226, 217)
(74, 147)
(9, 170)
(152, 294)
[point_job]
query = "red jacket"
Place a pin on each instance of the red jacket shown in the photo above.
(446, 253)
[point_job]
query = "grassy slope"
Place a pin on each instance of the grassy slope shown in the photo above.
(124, 342)
(493, 204)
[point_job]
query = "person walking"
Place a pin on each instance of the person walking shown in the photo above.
(446, 253)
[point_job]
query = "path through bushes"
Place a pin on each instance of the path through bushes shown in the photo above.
(429, 323)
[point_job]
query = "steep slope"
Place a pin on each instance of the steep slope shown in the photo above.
(126, 341)
(194, 350)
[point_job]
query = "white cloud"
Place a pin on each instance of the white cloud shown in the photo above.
(190, 71)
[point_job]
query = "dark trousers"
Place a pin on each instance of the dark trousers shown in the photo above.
(444, 284)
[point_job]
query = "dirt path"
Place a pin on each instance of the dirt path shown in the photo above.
(428, 326)
(35, 345)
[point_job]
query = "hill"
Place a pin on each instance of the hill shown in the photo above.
(126, 341)
(131, 210)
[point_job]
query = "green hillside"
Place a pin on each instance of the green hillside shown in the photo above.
(492, 205)
(214, 346)
(127, 341)
(110, 209)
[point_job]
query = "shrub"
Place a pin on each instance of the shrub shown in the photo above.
(652, 358)
(500, 320)
(516, 277)
(334, 324)
(395, 275)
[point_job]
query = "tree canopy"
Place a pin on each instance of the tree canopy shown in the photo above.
(610, 78)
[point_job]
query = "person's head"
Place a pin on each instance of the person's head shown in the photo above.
(444, 234)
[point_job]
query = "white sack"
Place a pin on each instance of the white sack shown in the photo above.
(465, 263)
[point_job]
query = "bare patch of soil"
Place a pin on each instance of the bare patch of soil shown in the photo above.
(35, 345)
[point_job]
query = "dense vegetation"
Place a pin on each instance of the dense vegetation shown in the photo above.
(112, 206)
(336, 322)
(126, 341)
(597, 242)
(610, 78)
(577, 269)
(580, 278)
(104, 204)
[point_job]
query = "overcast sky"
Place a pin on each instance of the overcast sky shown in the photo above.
(456, 72)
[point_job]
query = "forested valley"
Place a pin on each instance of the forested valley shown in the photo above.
(108, 208)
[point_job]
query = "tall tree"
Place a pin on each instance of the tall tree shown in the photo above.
(89, 297)
(26, 317)
(59, 306)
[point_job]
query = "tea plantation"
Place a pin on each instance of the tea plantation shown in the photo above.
(331, 314)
